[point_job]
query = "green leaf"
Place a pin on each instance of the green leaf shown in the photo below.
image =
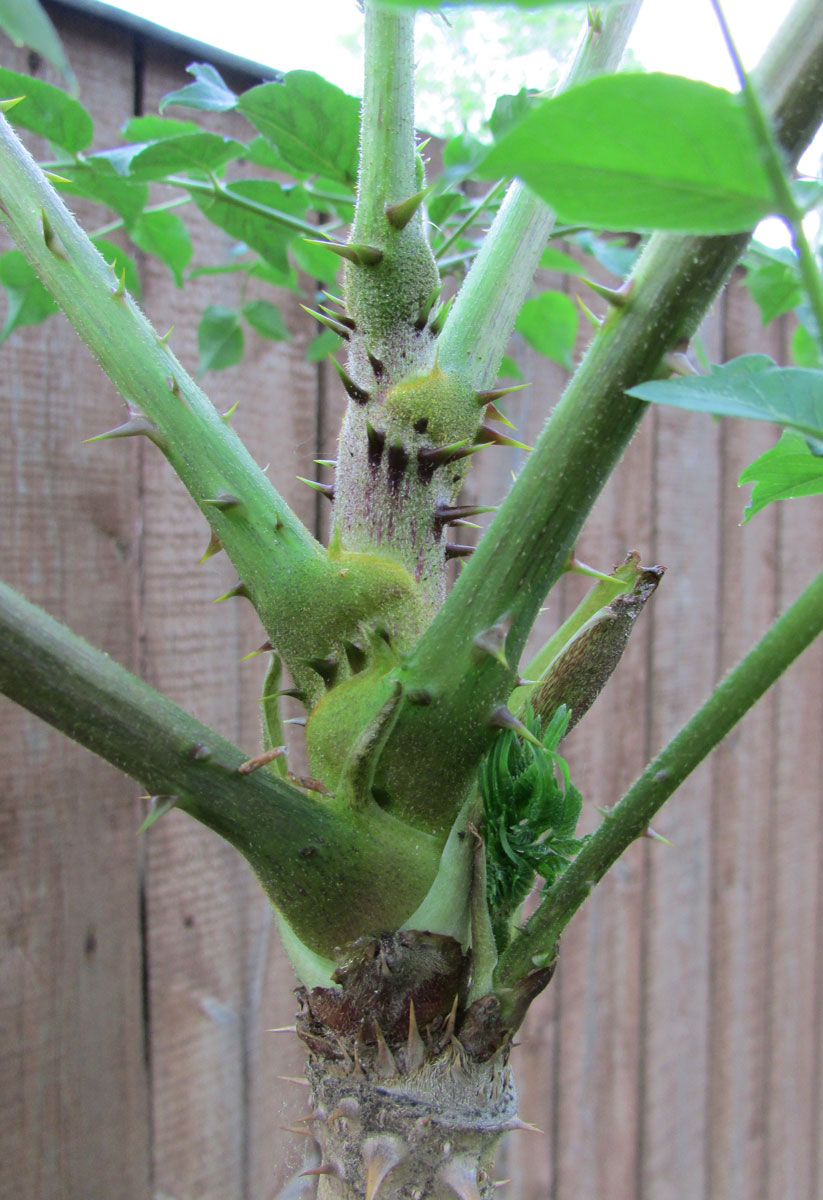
(509, 369)
(219, 339)
(613, 253)
(47, 110)
(122, 261)
(209, 92)
(437, 5)
(26, 23)
(557, 260)
(316, 261)
(164, 235)
(312, 124)
(260, 231)
(322, 346)
(775, 288)
(805, 348)
(549, 323)
(151, 128)
(186, 152)
(640, 152)
(750, 386)
(97, 179)
(28, 301)
(508, 110)
(265, 317)
(790, 469)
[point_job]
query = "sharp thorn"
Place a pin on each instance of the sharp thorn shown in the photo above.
(591, 317)
(325, 489)
(415, 1046)
(261, 760)
(8, 105)
(648, 832)
(446, 514)
(439, 321)
(426, 307)
(174, 386)
(326, 462)
(239, 591)
(451, 1020)
(575, 567)
(617, 299)
(229, 413)
(492, 641)
(295, 1129)
(120, 291)
(517, 1125)
(398, 215)
(380, 1156)
(295, 721)
(460, 1175)
(386, 1066)
(48, 174)
(342, 318)
(376, 365)
(487, 434)
(329, 322)
(160, 805)
(454, 550)
(354, 391)
(283, 1029)
(501, 718)
(323, 1169)
(493, 413)
(500, 1183)
(335, 299)
(49, 236)
(357, 253)
(494, 394)
(137, 424)
(164, 340)
(214, 547)
(260, 650)
(677, 362)
(223, 501)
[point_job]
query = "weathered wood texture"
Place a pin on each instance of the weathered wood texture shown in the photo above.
(677, 1054)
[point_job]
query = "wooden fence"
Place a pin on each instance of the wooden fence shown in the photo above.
(676, 1056)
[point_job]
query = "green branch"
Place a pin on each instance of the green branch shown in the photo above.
(284, 571)
(479, 325)
(333, 875)
(790, 635)
(434, 750)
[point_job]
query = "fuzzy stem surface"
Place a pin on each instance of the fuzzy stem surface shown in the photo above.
(788, 637)
(529, 541)
(334, 875)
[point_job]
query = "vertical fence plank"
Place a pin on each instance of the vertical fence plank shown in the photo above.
(218, 977)
(682, 667)
(598, 976)
(73, 1102)
(796, 830)
(742, 811)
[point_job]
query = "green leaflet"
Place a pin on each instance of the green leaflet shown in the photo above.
(219, 339)
(209, 91)
(47, 110)
(792, 468)
(165, 235)
(312, 124)
(640, 152)
(27, 24)
(530, 818)
(549, 323)
(28, 301)
(749, 386)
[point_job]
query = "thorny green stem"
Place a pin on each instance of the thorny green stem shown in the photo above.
(331, 873)
(387, 139)
(527, 545)
(479, 325)
(791, 633)
(775, 169)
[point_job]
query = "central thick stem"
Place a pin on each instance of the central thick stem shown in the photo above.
(428, 1135)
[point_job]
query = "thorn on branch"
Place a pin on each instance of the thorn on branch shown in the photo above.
(354, 391)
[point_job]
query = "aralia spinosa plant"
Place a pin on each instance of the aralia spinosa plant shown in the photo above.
(437, 793)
